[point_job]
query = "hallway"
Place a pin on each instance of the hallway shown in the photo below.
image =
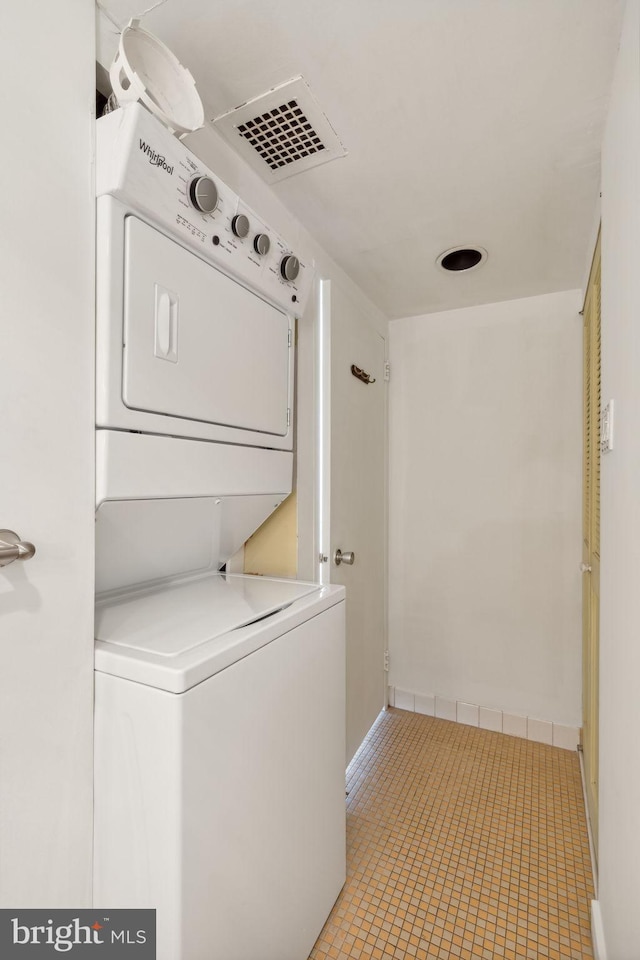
(462, 843)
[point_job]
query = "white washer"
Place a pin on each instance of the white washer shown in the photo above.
(219, 778)
(219, 700)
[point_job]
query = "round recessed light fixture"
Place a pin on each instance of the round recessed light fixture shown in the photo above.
(462, 259)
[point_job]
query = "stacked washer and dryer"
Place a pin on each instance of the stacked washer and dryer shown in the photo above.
(219, 698)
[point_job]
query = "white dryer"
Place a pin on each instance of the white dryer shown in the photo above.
(219, 740)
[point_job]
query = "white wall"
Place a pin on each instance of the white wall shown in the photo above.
(485, 506)
(46, 481)
(619, 860)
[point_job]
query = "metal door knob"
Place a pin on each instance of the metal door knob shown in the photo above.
(340, 557)
(13, 548)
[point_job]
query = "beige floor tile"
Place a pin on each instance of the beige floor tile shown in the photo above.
(462, 843)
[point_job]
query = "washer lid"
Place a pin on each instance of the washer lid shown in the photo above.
(173, 619)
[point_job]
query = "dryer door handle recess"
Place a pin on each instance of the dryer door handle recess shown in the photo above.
(13, 548)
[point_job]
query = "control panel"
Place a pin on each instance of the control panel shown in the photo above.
(141, 163)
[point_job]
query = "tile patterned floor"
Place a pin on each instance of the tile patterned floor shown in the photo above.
(462, 843)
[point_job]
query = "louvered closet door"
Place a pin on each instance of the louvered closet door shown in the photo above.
(591, 541)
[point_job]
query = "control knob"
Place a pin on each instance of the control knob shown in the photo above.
(240, 225)
(203, 194)
(261, 244)
(290, 267)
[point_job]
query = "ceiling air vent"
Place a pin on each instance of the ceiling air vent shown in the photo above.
(282, 132)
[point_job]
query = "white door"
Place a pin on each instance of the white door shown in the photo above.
(46, 480)
(357, 503)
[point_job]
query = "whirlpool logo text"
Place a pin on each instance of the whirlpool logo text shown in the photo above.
(155, 159)
(38, 933)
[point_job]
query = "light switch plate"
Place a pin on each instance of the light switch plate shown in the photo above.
(606, 428)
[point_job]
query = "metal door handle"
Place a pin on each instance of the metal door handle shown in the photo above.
(13, 548)
(340, 557)
(585, 568)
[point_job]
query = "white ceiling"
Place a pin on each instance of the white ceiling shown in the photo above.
(465, 121)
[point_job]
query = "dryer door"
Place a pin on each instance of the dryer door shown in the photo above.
(198, 345)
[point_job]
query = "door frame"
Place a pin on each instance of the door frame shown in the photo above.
(323, 478)
(592, 403)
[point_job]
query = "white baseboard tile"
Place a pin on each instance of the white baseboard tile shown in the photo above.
(487, 718)
(565, 737)
(445, 709)
(405, 700)
(490, 719)
(514, 725)
(540, 730)
(597, 932)
(468, 713)
(425, 705)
